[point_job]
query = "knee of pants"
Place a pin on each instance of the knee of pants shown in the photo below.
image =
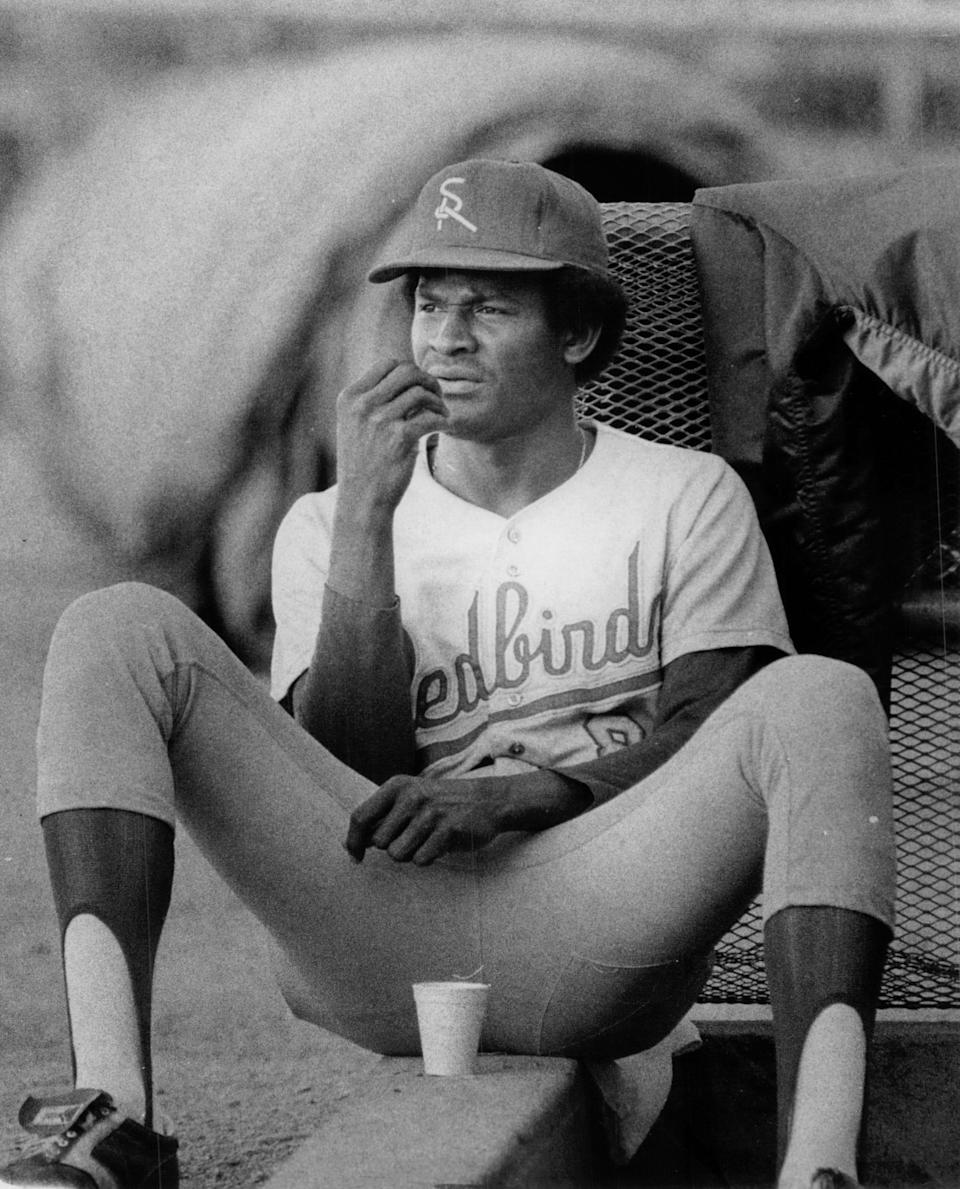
(112, 612)
(830, 727)
(824, 719)
(818, 688)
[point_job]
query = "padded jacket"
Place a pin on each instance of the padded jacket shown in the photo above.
(832, 342)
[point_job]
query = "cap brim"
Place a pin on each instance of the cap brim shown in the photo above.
(466, 259)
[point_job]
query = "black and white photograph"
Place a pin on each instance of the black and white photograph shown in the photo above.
(480, 593)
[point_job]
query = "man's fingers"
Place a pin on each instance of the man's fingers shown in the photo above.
(386, 380)
(364, 820)
(415, 401)
(401, 377)
(410, 839)
(416, 820)
(408, 375)
(402, 817)
(437, 844)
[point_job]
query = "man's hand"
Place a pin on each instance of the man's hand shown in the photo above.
(417, 819)
(380, 419)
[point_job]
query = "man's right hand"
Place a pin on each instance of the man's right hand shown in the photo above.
(380, 419)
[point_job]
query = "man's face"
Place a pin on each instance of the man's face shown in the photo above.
(485, 337)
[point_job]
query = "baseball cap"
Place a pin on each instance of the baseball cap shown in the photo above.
(504, 216)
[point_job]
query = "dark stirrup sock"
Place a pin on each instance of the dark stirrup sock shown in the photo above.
(816, 956)
(115, 865)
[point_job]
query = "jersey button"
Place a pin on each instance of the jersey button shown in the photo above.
(515, 699)
(513, 535)
(517, 749)
(513, 571)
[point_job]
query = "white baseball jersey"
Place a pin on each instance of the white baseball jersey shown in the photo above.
(540, 639)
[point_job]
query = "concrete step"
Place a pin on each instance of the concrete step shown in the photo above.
(527, 1122)
(517, 1123)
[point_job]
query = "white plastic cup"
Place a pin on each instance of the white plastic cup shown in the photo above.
(450, 1018)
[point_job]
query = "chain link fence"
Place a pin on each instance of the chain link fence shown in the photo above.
(657, 387)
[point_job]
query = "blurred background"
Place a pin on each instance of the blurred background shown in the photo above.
(191, 194)
(835, 88)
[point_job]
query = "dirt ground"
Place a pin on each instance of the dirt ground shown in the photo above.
(242, 1080)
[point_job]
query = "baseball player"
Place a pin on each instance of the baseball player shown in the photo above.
(535, 712)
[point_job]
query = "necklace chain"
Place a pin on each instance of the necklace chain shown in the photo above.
(584, 443)
(584, 439)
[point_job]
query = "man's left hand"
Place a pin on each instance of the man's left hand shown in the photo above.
(417, 819)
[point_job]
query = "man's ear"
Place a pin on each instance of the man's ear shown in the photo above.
(579, 343)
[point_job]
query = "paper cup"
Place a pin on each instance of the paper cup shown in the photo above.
(450, 1017)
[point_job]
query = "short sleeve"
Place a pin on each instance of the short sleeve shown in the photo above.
(721, 589)
(301, 554)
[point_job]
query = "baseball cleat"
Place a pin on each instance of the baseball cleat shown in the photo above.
(81, 1141)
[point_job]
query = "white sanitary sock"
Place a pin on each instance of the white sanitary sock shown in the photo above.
(103, 1016)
